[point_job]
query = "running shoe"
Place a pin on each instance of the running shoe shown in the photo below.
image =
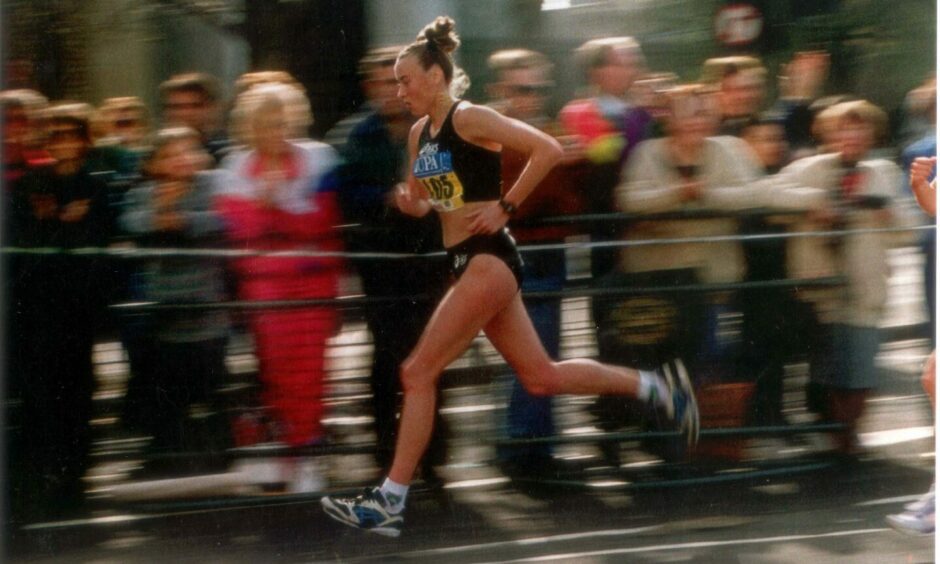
(916, 523)
(369, 511)
(683, 409)
(921, 501)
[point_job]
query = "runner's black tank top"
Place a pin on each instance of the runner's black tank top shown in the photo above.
(453, 170)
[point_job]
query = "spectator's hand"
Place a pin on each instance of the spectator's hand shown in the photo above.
(806, 74)
(168, 194)
(924, 191)
(487, 219)
(884, 217)
(824, 215)
(272, 180)
(691, 191)
(45, 206)
(168, 221)
(573, 149)
(75, 211)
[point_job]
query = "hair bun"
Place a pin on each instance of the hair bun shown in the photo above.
(440, 34)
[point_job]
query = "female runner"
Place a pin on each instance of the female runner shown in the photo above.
(455, 164)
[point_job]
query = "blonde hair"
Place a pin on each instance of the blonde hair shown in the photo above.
(249, 80)
(718, 68)
(268, 97)
(865, 112)
(514, 59)
(101, 120)
(594, 54)
(29, 100)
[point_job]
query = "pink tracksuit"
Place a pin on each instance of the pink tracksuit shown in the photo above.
(289, 343)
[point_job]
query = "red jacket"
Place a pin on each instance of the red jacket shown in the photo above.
(303, 216)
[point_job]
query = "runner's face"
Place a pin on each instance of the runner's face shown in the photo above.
(416, 87)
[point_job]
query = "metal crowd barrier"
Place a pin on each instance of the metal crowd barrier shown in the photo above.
(575, 290)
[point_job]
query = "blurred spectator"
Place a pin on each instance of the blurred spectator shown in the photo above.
(523, 82)
(609, 126)
(687, 172)
(825, 128)
(926, 146)
(249, 80)
(742, 86)
(918, 113)
(649, 93)
(845, 190)
(174, 209)
(194, 100)
(120, 128)
(22, 133)
(60, 302)
(766, 136)
(278, 196)
(801, 82)
(372, 144)
(919, 517)
(22, 152)
(125, 120)
(119, 133)
(767, 323)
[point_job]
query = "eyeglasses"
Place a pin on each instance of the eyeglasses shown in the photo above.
(694, 106)
(183, 105)
(126, 123)
(529, 89)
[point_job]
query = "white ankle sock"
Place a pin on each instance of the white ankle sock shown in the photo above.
(653, 387)
(395, 494)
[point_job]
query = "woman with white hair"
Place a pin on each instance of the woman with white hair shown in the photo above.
(279, 195)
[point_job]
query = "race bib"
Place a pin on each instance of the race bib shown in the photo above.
(435, 170)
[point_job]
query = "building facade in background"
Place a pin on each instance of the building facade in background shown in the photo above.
(93, 49)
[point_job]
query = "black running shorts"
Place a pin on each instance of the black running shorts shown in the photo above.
(500, 244)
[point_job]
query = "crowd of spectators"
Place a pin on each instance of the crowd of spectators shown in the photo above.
(678, 161)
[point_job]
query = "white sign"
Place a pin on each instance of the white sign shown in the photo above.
(738, 24)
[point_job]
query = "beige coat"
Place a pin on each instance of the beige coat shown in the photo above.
(807, 184)
(651, 185)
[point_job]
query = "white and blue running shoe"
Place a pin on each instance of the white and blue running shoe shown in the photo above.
(369, 511)
(683, 409)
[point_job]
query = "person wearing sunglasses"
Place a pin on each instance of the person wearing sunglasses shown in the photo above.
(61, 304)
(692, 172)
(521, 91)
